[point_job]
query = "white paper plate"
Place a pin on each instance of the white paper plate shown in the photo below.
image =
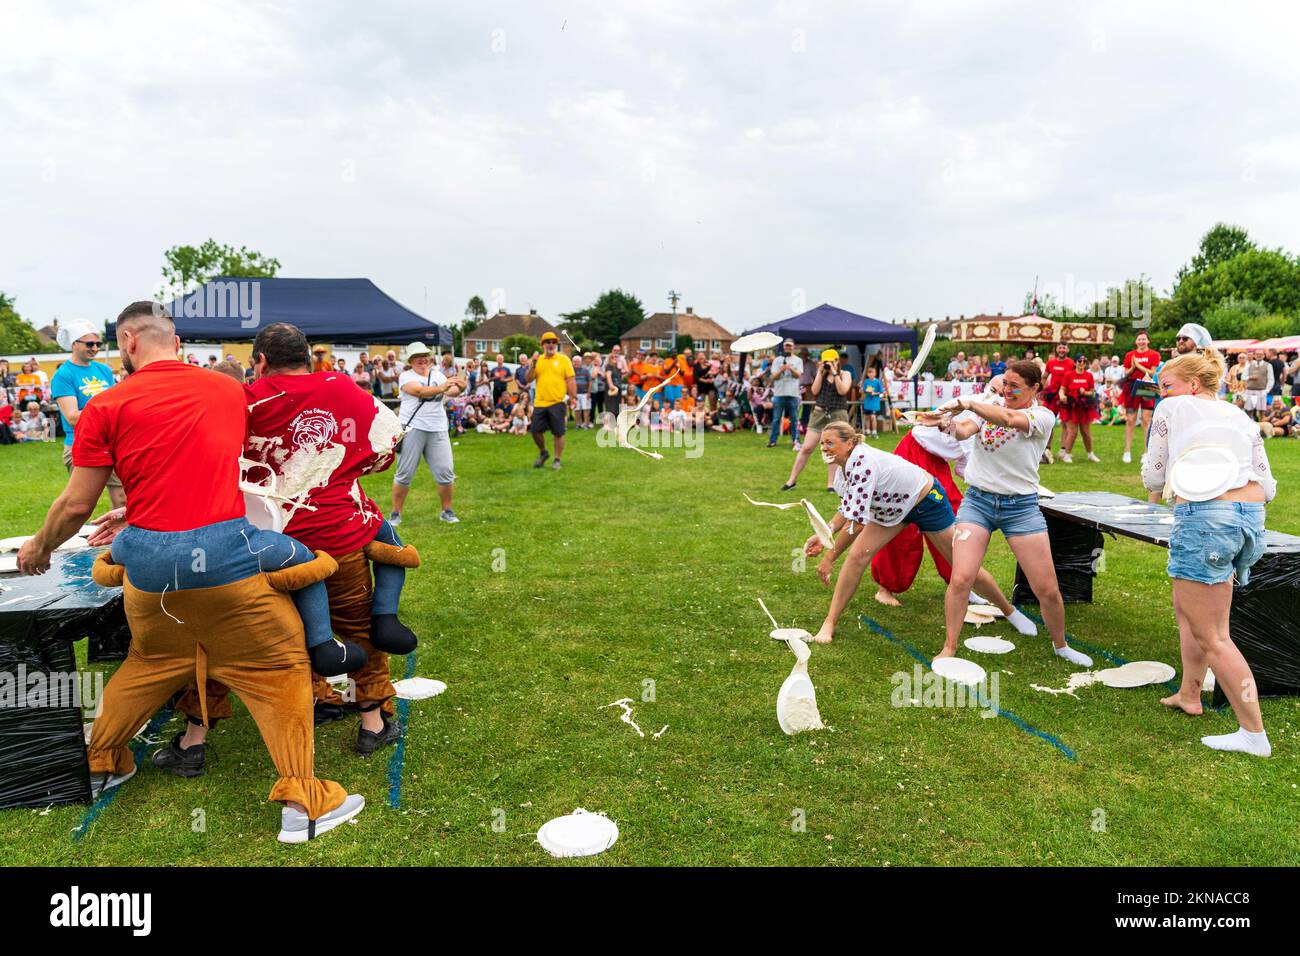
(1045, 492)
(14, 543)
(790, 634)
(959, 670)
(756, 342)
(73, 544)
(1201, 474)
(820, 527)
(580, 833)
(263, 513)
(418, 688)
(924, 352)
(989, 645)
(1136, 674)
(974, 616)
(985, 610)
(8, 563)
(797, 685)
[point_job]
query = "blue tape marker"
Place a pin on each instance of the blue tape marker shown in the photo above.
(398, 758)
(1018, 721)
(108, 796)
(1094, 649)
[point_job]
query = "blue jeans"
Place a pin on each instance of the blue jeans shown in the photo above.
(1213, 540)
(389, 579)
(218, 554)
(784, 406)
(933, 512)
(1013, 515)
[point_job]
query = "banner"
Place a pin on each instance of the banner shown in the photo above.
(930, 394)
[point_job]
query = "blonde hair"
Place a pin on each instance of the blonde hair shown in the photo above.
(1205, 366)
(843, 430)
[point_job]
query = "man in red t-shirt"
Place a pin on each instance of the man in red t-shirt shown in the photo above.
(1139, 366)
(1054, 373)
(312, 436)
(196, 596)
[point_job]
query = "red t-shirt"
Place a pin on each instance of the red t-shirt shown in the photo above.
(1149, 358)
(1079, 383)
(319, 433)
(173, 433)
(1057, 369)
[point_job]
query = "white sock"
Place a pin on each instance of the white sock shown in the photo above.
(976, 599)
(1073, 656)
(1244, 741)
(1022, 624)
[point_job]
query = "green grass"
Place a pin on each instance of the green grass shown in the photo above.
(620, 570)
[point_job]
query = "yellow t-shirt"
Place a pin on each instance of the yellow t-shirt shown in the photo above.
(552, 378)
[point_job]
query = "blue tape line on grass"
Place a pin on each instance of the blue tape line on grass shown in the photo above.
(398, 758)
(1093, 648)
(1018, 721)
(108, 796)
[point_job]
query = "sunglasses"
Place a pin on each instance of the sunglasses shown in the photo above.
(91, 345)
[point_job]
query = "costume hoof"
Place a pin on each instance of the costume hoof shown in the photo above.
(336, 657)
(390, 635)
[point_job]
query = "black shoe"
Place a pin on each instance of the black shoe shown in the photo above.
(771, 444)
(541, 459)
(787, 486)
(390, 635)
(831, 489)
(368, 742)
(324, 713)
(182, 761)
(336, 657)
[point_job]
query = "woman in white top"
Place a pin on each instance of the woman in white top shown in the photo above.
(880, 493)
(1208, 455)
(1002, 495)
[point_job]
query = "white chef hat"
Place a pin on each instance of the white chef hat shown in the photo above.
(1197, 333)
(74, 330)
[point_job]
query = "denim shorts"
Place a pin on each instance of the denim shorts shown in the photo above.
(1213, 540)
(933, 512)
(1013, 515)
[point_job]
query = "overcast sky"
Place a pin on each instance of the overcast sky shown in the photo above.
(898, 160)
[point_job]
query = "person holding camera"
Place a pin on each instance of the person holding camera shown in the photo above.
(424, 390)
(831, 386)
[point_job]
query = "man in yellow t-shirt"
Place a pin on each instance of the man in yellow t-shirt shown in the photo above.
(557, 389)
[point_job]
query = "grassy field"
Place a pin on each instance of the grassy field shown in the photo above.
(561, 592)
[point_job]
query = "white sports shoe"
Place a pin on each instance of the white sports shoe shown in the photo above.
(296, 828)
(99, 782)
(1092, 457)
(1047, 455)
(1065, 457)
(1127, 459)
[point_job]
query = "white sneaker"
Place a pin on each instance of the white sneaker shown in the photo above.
(296, 828)
(1065, 457)
(1092, 457)
(1127, 459)
(99, 782)
(1047, 456)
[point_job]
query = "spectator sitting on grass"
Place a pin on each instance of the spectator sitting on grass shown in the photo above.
(519, 418)
(32, 425)
(1280, 420)
(1110, 414)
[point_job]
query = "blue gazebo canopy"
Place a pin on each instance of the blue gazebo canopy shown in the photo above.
(829, 325)
(342, 311)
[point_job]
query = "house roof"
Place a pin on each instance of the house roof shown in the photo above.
(688, 323)
(504, 324)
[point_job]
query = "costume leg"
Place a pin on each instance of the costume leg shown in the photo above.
(140, 686)
(350, 596)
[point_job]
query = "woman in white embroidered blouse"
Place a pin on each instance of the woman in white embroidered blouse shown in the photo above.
(879, 494)
(1209, 457)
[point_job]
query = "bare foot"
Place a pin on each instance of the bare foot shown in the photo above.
(1192, 707)
(823, 636)
(946, 652)
(886, 597)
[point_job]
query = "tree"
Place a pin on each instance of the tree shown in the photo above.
(605, 321)
(1230, 318)
(519, 343)
(1221, 243)
(17, 334)
(185, 268)
(1270, 327)
(475, 311)
(1268, 277)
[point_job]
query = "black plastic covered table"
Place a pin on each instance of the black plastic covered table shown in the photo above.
(42, 748)
(1264, 623)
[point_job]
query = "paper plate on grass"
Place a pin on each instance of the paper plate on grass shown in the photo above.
(418, 688)
(959, 670)
(1136, 674)
(790, 634)
(796, 704)
(756, 342)
(985, 610)
(580, 833)
(976, 616)
(989, 645)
